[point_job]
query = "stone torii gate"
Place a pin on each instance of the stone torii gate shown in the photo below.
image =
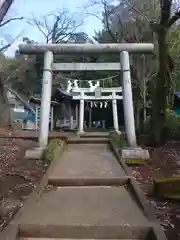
(50, 49)
(81, 94)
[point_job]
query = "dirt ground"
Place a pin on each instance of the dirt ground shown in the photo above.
(18, 177)
(165, 162)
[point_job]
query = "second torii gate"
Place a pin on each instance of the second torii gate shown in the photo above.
(50, 49)
(98, 95)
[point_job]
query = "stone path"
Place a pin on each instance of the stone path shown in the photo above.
(88, 196)
(86, 163)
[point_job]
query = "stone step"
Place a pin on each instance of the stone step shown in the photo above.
(94, 181)
(68, 239)
(27, 238)
(87, 164)
(84, 212)
(76, 140)
(94, 135)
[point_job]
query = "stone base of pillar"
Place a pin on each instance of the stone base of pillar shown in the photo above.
(118, 132)
(137, 153)
(35, 153)
(80, 132)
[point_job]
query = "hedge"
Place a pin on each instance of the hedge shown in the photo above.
(119, 141)
(172, 124)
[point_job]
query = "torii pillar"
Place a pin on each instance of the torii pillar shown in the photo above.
(115, 113)
(46, 99)
(81, 114)
(128, 99)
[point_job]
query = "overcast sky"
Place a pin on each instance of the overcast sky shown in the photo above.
(38, 7)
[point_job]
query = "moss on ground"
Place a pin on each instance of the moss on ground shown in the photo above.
(50, 151)
(119, 141)
(168, 188)
(135, 161)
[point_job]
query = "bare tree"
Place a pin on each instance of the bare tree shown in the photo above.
(57, 26)
(165, 68)
(157, 15)
(4, 7)
(5, 116)
(128, 22)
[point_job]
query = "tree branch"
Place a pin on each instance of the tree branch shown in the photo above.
(165, 12)
(56, 26)
(4, 48)
(10, 20)
(174, 18)
(107, 23)
(26, 104)
(39, 25)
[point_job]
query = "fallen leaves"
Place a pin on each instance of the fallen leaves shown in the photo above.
(165, 162)
(18, 177)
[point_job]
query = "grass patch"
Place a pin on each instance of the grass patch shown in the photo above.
(135, 161)
(168, 188)
(119, 141)
(3, 150)
(50, 151)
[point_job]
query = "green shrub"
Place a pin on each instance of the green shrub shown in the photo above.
(147, 126)
(49, 152)
(119, 141)
(172, 124)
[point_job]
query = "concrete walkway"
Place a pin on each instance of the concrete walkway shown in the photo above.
(86, 163)
(87, 197)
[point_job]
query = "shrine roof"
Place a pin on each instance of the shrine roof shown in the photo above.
(37, 101)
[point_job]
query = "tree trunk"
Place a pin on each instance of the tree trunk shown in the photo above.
(5, 110)
(159, 103)
(138, 110)
(144, 104)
